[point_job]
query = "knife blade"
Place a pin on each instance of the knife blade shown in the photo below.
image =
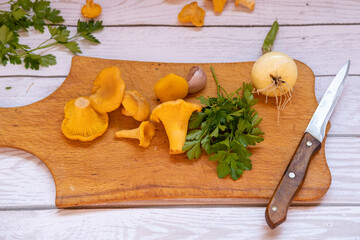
(294, 175)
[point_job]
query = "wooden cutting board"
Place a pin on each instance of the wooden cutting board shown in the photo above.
(113, 170)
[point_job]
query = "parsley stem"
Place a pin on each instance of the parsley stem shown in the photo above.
(217, 82)
(42, 47)
(44, 42)
(74, 37)
(38, 48)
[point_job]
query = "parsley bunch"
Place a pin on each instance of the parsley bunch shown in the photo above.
(24, 14)
(224, 128)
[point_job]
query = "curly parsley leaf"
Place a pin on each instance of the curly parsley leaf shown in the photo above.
(224, 128)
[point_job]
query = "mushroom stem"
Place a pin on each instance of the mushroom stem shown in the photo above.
(132, 133)
(176, 137)
(145, 132)
(82, 103)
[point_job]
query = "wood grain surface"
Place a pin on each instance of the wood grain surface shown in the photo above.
(112, 170)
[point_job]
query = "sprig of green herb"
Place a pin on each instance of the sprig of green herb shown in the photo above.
(224, 128)
(24, 14)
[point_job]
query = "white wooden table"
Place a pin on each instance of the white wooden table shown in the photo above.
(321, 33)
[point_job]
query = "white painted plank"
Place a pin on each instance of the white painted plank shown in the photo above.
(165, 12)
(25, 182)
(324, 48)
(345, 119)
(180, 223)
(343, 158)
(26, 90)
(346, 116)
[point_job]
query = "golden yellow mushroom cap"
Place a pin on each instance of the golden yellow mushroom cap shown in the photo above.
(108, 90)
(219, 5)
(192, 13)
(82, 122)
(171, 87)
(135, 105)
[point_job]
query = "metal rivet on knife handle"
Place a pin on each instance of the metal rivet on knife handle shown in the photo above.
(309, 143)
(291, 175)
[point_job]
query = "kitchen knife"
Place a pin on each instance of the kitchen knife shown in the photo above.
(310, 143)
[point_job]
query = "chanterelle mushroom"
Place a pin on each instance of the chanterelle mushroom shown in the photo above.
(144, 133)
(175, 117)
(91, 9)
(82, 122)
(135, 105)
(171, 87)
(108, 90)
(250, 4)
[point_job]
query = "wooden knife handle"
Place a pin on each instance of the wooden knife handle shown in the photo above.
(291, 181)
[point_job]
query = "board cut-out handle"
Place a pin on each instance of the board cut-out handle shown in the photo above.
(291, 181)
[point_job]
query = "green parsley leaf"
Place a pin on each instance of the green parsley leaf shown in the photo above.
(18, 13)
(40, 7)
(256, 120)
(257, 131)
(47, 60)
(90, 38)
(196, 119)
(217, 156)
(53, 16)
(203, 100)
(53, 31)
(8, 88)
(62, 34)
(85, 29)
(38, 24)
(224, 128)
(193, 149)
(32, 61)
(14, 59)
(241, 125)
(73, 47)
(223, 169)
(5, 34)
(25, 4)
(194, 135)
(215, 133)
(206, 144)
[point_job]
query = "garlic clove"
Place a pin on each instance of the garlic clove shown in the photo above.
(196, 79)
